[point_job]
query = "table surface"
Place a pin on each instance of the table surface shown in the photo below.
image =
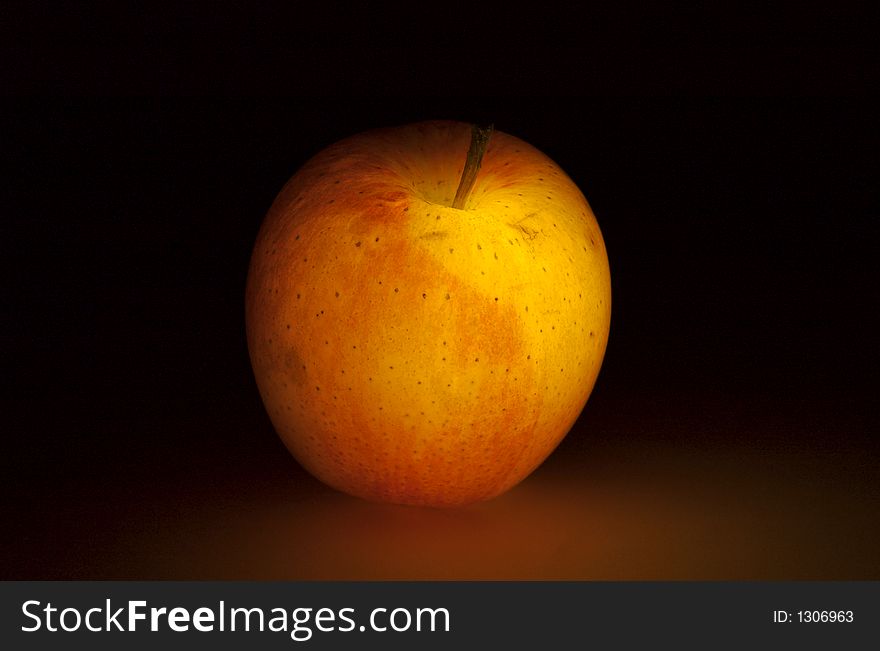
(666, 487)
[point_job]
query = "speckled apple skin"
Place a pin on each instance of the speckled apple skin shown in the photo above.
(410, 352)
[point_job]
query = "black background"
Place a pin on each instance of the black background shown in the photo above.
(732, 166)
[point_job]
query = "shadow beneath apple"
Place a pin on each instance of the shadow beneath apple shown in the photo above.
(655, 497)
(530, 532)
(630, 512)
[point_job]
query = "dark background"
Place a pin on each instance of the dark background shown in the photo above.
(732, 166)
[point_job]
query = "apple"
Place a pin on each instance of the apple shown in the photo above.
(427, 311)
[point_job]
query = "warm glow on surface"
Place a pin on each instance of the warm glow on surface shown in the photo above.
(412, 352)
(622, 512)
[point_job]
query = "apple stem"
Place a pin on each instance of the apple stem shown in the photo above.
(479, 143)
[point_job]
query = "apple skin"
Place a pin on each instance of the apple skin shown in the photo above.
(411, 352)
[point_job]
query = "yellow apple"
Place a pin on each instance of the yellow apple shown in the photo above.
(414, 352)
